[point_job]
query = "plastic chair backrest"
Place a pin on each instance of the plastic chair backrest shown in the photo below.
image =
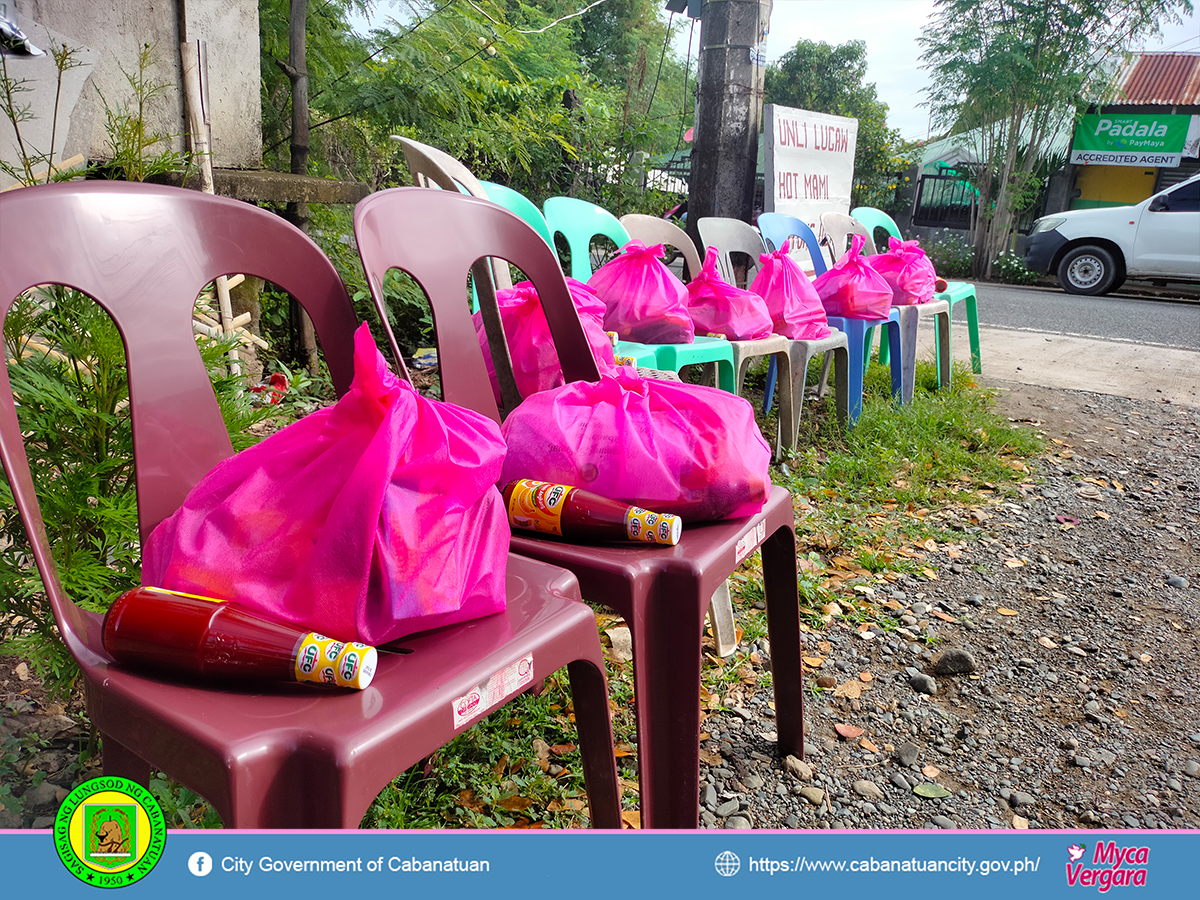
(437, 237)
(779, 227)
(579, 221)
(431, 167)
(144, 252)
(838, 227)
(652, 230)
(516, 202)
(874, 219)
(732, 236)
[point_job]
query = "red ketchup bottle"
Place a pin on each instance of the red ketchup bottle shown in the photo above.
(155, 628)
(573, 513)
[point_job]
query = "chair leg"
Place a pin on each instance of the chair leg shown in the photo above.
(720, 614)
(590, 695)
(908, 352)
(885, 354)
(823, 384)
(973, 332)
(942, 333)
(769, 391)
(842, 385)
(666, 674)
(793, 372)
(783, 627)
(898, 359)
(121, 762)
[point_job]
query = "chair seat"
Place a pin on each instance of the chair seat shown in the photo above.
(704, 349)
(267, 736)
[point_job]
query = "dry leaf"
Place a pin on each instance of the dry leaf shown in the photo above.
(1119, 486)
(930, 545)
(515, 804)
(1101, 514)
(1014, 563)
(851, 689)
(500, 766)
(622, 749)
(931, 771)
(930, 574)
(1121, 714)
(823, 646)
(1020, 823)
(866, 676)
(1047, 643)
(1006, 612)
(562, 749)
(868, 746)
(541, 748)
(849, 732)
(467, 798)
(632, 818)
(711, 759)
(943, 616)
(813, 662)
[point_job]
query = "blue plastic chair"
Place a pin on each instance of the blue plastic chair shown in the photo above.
(956, 291)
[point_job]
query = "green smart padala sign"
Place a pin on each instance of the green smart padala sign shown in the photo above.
(1130, 140)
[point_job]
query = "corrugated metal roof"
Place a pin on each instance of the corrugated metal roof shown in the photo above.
(1168, 79)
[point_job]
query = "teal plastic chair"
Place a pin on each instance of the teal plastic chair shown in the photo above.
(578, 222)
(956, 291)
(516, 202)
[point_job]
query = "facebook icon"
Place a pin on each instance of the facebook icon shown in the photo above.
(200, 864)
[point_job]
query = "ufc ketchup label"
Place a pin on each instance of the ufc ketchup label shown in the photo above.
(327, 661)
(537, 506)
(651, 527)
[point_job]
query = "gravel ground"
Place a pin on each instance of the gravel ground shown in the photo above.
(1060, 689)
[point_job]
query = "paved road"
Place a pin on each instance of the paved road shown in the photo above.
(1170, 323)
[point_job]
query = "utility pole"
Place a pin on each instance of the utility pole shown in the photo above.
(728, 109)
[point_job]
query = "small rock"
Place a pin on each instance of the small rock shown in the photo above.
(1192, 768)
(943, 822)
(22, 671)
(922, 683)
(955, 661)
(42, 797)
(728, 808)
(1020, 798)
(1177, 581)
(826, 681)
(798, 768)
(793, 821)
(622, 642)
(813, 795)
(868, 790)
(738, 823)
(753, 782)
(710, 797)
(907, 753)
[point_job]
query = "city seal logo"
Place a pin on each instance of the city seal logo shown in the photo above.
(110, 832)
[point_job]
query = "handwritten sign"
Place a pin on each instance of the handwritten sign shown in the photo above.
(809, 162)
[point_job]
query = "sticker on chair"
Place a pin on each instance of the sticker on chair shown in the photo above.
(483, 697)
(750, 541)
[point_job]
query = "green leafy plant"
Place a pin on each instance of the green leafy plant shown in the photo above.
(129, 137)
(66, 364)
(16, 113)
(950, 254)
(1010, 269)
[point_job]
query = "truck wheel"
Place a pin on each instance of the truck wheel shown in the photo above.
(1087, 270)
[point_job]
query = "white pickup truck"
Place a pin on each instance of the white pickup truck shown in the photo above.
(1093, 251)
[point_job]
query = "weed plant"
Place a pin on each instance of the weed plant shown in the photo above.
(1010, 269)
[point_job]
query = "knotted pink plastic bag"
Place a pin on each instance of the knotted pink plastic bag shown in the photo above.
(717, 307)
(530, 344)
(796, 310)
(643, 299)
(852, 288)
(368, 520)
(907, 270)
(669, 447)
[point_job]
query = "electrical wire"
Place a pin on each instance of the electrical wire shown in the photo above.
(544, 28)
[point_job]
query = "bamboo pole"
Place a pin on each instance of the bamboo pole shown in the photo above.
(195, 83)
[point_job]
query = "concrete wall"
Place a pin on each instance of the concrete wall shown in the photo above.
(110, 35)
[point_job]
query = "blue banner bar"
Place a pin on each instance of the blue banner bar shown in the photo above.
(522, 864)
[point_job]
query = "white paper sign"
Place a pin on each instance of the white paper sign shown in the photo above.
(809, 162)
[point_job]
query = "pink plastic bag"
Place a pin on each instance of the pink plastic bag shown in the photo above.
(796, 310)
(669, 447)
(852, 288)
(907, 270)
(530, 344)
(368, 520)
(643, 300)
(717, 307)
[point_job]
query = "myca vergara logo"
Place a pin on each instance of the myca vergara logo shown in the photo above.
(110, 832)
(1110, 866)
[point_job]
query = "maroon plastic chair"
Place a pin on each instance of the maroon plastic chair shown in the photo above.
(275, 756)
(663, 593)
